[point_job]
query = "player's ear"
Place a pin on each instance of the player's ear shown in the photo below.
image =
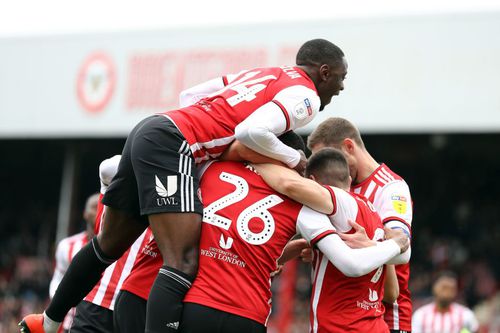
(324, 72)
(348, 145)
(311, 176)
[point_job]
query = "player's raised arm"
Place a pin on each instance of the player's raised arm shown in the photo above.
(300, 189)
(318, 231)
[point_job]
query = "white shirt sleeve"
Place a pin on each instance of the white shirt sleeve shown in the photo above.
(345, 208)
(393, 203)
(107, 170)
(291, 108)
(62, 264)
(192, 95)
(317, 230)
(259, 132)
(417, 323)
(401, 259)
(313, 225)
(298, 103)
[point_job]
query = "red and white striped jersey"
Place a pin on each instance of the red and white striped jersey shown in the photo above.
(106, 290)
(146, 267)
(348, 304)
(245, 227)
(209, 125)
(428, 320)
(390, 195)
(66, 250)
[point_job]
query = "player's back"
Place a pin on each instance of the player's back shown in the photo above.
(348, 304)
(209, 125)
(246, 226)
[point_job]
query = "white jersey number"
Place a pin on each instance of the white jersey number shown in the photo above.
(259, 210)
(246, 89)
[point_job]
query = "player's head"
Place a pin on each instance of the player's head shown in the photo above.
(293, 140)
(328, 166)
(445, 288)
(326, 65)
(339, 133)
(89, 213)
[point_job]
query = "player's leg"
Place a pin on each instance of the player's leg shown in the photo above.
(177, 236)
(167, 187)
(121, 226)
(130, 313)
(119, 231)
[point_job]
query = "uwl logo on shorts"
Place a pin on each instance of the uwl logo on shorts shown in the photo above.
(171, 186)
(166, 193)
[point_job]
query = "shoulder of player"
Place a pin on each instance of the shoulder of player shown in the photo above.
(391, 185)
(384, 176)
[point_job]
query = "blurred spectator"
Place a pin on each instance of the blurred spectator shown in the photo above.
(443, 314)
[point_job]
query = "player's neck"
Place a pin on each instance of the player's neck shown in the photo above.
(366, 166)
(442, 307)
(309, 71)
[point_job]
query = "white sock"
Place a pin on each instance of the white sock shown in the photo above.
(49, 325)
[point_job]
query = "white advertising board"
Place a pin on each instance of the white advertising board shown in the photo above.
(436, 73)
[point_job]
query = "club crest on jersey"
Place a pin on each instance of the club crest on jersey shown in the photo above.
(167, 192)
(303, 109)
(399, 203)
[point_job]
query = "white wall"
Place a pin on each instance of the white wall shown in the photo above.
(409, 74)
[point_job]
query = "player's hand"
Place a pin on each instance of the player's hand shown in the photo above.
(301, 167)
(399, 237)
(359, 239)
(307, 255)
(293, 250)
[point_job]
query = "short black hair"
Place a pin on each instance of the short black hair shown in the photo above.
(293, 140)
(329, 166)
(318, 52)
